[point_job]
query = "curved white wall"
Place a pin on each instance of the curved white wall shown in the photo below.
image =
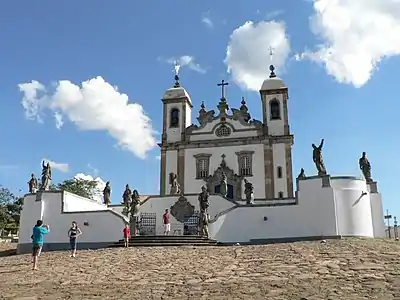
(377, 216)
(353, 211)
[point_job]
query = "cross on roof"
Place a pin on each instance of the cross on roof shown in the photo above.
(222, 85)
(271, 52)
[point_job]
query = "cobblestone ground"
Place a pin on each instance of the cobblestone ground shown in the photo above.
(348, 269)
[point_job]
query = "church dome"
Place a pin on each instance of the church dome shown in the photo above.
(273, 82)
(176, 92)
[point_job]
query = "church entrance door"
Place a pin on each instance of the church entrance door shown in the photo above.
(229, 195)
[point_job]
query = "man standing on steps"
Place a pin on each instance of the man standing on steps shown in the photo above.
(167, 225)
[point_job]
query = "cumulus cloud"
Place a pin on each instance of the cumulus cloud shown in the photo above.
(62, 167)
(98, 194)
(356, 34)
(95, 105)
(187, 61)
(248, 52)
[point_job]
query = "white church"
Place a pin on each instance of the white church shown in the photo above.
(224, 141)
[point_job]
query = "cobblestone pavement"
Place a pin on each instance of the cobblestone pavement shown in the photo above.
(347, 269)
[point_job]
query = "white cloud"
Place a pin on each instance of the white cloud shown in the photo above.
(207, 21)
(93, 170)
(248, 55)
(158, 157)
(98, 195)
(62, 167)
(186, 61)
(95, 105)
(357, 35)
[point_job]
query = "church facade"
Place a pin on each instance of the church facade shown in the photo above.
(228, 141)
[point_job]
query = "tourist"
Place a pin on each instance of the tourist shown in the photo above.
(37, 240)
(167, 225)
(73, 234)
(127, 235)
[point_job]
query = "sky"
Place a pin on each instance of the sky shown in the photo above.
(81, 81)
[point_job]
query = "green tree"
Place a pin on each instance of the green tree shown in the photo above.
(80, 187)
(7, 199)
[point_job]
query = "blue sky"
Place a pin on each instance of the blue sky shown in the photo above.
(341, 69)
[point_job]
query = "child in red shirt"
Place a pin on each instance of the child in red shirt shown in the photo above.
(127, 235)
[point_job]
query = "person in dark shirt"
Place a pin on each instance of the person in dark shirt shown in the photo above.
(39, 231)
(73, 234)
(166, 222)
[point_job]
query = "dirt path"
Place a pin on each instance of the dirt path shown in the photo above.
(352, 269)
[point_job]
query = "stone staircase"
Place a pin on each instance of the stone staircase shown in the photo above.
(166, 240)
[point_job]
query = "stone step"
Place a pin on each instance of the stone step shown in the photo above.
(169, 242)
(177, 244)
(163, 238)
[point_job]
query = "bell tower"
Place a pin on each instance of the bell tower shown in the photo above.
(278, 154)
(177, 115)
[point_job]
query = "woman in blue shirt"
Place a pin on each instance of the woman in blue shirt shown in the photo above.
(73, 234)
(37, 240)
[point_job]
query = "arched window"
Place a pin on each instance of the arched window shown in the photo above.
(280, 195)
(275, 109)
(174, 118)
(280, 172)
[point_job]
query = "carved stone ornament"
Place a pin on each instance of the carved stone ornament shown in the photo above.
(182, 209)
(233, 179)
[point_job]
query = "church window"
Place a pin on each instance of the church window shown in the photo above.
(279, 171)
(275, 109)
(280, 195)
(245, 163)
(223, 130)
(202, 165)
(174, 118)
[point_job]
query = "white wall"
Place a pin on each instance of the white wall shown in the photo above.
(104, 225)
(32, 211)
(193, 185)
(188, 115)
(74, 203)
(377, 215)
(159, 204)
(171, 167)
(279, 160)
(353, 211)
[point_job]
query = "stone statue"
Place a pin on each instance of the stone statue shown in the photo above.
(203, 199)
(365, 167)
(248, 191)
(224, 186)
(173, 181)
(134, 211)
(46, 176)
(317, 158)
(203, 226)
(107, 194)
(302, 174)
(126, 199)
(33, 184)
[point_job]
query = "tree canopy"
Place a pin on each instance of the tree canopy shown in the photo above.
(10, 209)
(80, 187)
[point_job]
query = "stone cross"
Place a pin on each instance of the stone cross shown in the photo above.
(222, 85)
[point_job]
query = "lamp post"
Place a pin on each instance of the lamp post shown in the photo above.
(388, 218)
(395, 229)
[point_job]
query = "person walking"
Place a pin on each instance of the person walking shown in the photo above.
(39, 231)
(73, 234)
(127, 235)
(166, 222)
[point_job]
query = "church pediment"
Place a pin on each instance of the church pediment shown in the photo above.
(223, 124)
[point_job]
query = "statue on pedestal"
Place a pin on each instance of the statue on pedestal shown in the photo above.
(224, 186)
(107, 194)
(248, 191)
(317, 158)
(126, 199)
(203, 199)
(173, 181)
(134, 211)
(365, 167)
(46, 177)
(203, 226)
(33, 184)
